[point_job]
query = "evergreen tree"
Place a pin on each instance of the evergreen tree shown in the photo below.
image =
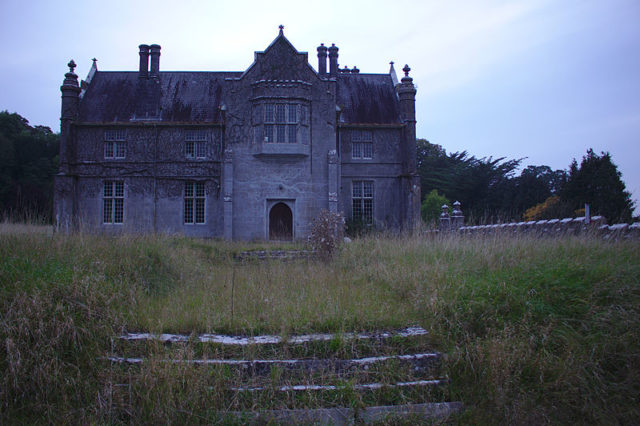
(598, 182)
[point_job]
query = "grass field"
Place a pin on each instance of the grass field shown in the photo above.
(535, 330)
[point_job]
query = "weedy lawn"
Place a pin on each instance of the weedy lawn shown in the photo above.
(535, 330)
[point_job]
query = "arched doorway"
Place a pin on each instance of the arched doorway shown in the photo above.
(280, 222)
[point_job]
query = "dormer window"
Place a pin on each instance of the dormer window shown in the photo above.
(115, 144)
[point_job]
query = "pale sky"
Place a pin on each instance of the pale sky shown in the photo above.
(542, 79)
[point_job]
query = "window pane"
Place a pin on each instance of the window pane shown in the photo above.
(357, 189)
(199, 210)
(108, 189)
(268, 133)
(121, 148)
(199, 189)
(280, 113)
(118, 211)
(188, 210)
(115, 135)
(367, 150)
(357, 209)
(366, 135)
(357, 150)
(189, 149)
(119, 189)
(280, 133)
(293, 113)
(201, 151)
(356, 135)
(107, 210)
(108, 150)
(367, 189)
(292, 133)
(188, 189)
(367, 214)
(268, 113)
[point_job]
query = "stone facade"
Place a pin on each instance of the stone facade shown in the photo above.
(247, 155)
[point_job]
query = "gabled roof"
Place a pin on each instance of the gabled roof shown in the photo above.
(368, 99)
(286, 58)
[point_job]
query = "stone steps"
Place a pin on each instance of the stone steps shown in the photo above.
(390, 373)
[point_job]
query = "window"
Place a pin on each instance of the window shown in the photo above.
(362, 201)
(194, 202)
(113, 202)
(361, 144)
(115, 144)
(195, 145)
(282, 121)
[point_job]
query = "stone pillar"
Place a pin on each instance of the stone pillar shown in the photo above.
(64, 192)
(322, 60)
(227, 188)
(411, 185)
(445, 220)
(457, 218)
(332, 165)
(70, 98)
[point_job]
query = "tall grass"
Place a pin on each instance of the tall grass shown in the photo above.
(536, 330)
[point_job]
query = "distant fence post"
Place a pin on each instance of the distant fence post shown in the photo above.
(587, 214)
(457, 218)
(445, 220)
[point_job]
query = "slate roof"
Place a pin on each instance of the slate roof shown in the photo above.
(196, 97)
(368, 98)
(174, 97)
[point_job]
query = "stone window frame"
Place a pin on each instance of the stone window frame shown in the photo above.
(362, 201)
(113, 195)
(362, 144)
(115, 144)
(195, 144)
(195, 201)
(283, 121)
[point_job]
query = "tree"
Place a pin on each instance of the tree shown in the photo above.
(432, 206)
(28, 162)
(598, 182)
(479, 184)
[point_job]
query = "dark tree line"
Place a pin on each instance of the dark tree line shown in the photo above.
(28, 162)
(491, 190)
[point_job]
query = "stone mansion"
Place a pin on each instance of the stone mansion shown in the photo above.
(250, 155)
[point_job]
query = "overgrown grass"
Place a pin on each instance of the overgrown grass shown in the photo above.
(536, 330)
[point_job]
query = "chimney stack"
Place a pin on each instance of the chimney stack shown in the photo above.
(322, 59)
(144, 61)
(154, 72)
(333, 60)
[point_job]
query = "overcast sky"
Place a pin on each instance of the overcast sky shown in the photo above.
(541, 79)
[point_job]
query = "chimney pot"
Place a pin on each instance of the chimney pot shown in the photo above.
(333, 60)
(144, 61)
(154, 71)
(322, 59)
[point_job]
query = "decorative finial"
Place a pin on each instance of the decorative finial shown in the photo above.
(406, 70)
(391, 63)
(94, 60)
(71, 65)
(281, 29)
